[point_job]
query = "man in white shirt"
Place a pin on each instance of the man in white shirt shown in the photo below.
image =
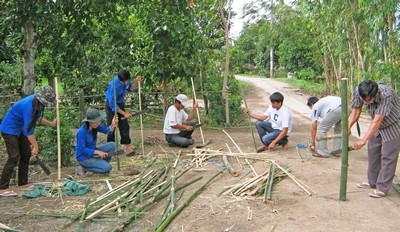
(177, 126)
(330, 110)
(274, 125)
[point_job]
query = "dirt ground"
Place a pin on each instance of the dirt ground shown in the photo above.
(290, 209)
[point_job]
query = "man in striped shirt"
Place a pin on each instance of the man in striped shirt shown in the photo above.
(383, 134)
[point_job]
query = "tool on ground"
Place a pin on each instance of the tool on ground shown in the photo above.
(298, 147)
(204, 144)
(136, 114)
(43, 166)
(339, 151)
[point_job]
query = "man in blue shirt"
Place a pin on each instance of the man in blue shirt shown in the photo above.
(17, 129)
(121, 84)
(92, 157)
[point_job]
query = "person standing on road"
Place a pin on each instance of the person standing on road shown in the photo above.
(17, 129)
(91, 157)
(274, 125)
(122, 84)
(177, 126)
(383, 134)
(330, 110)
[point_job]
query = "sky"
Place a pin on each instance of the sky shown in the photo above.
(237, 6)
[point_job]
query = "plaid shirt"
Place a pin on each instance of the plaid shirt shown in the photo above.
(386, 103)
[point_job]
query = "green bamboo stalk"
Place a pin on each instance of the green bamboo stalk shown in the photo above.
(270, 182)
(163, 213)
(82, 219)
(249, 119)
(172, 192)
(186, 203)
(179, 187)
(345, 140)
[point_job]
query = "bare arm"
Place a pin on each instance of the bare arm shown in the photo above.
(354, 116)
(259, 117)
(277, 139)
(372, 129)
(314, 126)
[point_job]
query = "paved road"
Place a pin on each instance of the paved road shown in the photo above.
(295, 101)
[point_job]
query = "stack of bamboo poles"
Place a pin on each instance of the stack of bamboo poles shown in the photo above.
(257, 186)
(132, 197)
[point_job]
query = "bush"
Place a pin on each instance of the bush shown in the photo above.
(47, 139)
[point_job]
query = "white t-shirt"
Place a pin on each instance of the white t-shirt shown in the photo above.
(172, 118)
(280, 119)
(324, 105)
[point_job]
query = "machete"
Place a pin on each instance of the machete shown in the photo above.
(339, 151)
(135, 114)
(358, 129)
(43, 166)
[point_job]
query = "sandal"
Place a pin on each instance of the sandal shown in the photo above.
(132, 153)
(363, 185)
(26, 187)
(261, 148)
(377, 194)
(8, 193)
(80, 172)
(319, 155)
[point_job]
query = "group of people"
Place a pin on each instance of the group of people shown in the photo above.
(273, 127)
(383, 135)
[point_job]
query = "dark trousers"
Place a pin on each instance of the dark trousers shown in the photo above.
(19, 151)
(123, 125)
(382, 162)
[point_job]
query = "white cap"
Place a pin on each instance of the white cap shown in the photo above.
(183, 99)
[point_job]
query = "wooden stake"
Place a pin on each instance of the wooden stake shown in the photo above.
(141, 117)
(58, 129)
(197, 110)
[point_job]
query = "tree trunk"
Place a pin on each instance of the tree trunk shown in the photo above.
(30, 44)
(225, 94)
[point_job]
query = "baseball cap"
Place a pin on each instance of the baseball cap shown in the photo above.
(183, 99)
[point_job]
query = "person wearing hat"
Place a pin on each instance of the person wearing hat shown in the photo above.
(177, 126)
(91, 157)
(17, 129)
(121, 84)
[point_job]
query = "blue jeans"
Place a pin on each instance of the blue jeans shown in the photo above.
(268, 134)
(99, 165)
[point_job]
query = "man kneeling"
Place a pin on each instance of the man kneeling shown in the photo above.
(177, 128)
(274, 125)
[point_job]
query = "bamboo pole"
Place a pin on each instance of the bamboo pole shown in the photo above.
(249, 119)
(186, 203)
(141, 117)
(237, 159)
(58, 130)
(197, 110)
(247, 161)
(297, 181)
(345, 140)
(116, 126)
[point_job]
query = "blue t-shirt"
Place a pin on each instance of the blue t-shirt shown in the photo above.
(120, 90)
(85, 142)
(18, 118)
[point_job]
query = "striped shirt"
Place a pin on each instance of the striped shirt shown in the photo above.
(386, 103)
